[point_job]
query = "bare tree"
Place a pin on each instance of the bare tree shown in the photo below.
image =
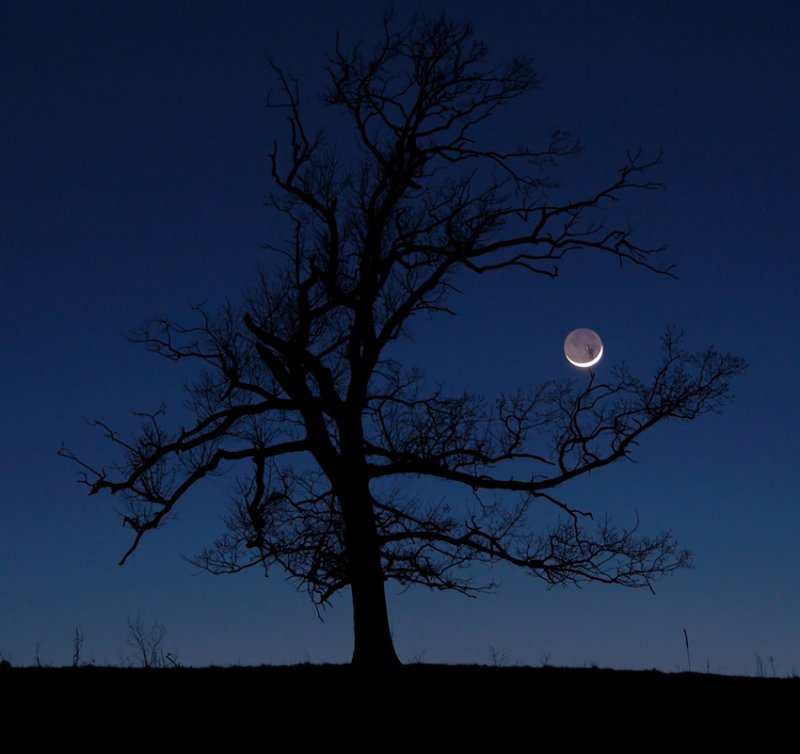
(299, 392)
(146, 643)
(77, 647)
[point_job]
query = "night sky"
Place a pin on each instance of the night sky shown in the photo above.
(133, 153)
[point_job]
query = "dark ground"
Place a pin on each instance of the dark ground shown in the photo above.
(417, 708)
(417, 687)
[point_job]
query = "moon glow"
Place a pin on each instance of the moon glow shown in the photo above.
(583, 347)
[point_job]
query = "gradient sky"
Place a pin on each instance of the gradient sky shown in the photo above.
(133, 143)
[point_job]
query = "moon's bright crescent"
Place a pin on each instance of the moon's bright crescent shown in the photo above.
(585, 364)
(583, 348)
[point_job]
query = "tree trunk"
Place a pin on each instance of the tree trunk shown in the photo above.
(373, 646)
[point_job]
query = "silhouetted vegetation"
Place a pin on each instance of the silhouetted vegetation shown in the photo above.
(301, 395)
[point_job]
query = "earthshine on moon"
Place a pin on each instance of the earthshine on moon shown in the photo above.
(583, 347)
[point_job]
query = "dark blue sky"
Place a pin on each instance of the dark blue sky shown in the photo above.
(133, 143)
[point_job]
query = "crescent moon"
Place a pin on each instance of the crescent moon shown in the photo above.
(583, 348)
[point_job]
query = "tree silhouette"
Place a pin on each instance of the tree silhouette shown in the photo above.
(299, 392)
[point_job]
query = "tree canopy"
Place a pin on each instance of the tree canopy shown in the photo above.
(329, 434)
